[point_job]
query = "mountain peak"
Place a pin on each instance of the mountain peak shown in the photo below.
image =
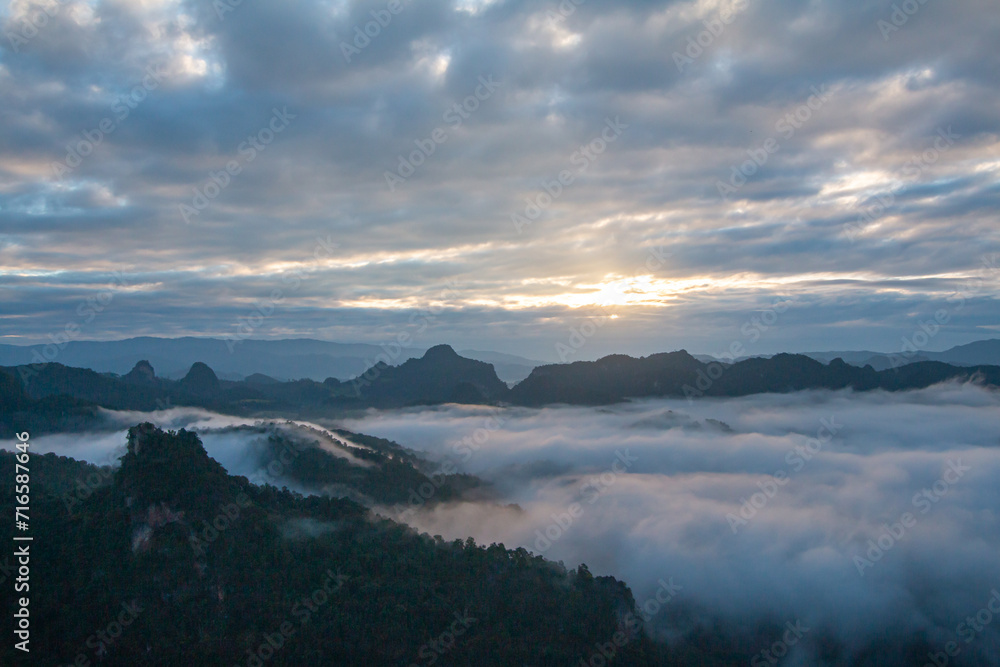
(201, 380)
(440, 353)
(141, 372)
(441, 375)
(168, 466)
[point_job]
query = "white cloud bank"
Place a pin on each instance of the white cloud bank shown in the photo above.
(923, 463)
(664, 489)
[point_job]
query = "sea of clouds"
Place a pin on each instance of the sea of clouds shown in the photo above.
(870, 519)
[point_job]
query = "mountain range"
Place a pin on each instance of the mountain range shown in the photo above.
(978, 353)
(287, 359)
(52, 395)
(304, 358)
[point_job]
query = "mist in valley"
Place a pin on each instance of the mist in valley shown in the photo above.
(864, 522)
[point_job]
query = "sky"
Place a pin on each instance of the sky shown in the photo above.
(628, 177)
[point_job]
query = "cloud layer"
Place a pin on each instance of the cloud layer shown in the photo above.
(867, 204)
(761, 508)
(871, 519)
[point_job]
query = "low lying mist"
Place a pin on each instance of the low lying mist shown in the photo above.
(870, 518)
(239, 444)
(869, 522)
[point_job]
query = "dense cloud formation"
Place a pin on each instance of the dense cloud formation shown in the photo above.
(660, 488)
(870, 518)
(301, 168)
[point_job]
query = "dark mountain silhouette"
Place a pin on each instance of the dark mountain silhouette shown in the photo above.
(200, 381)
(236, 358)
(43, 380)
(141, 373)
(509, 367)
(881, 362)
(12, 395)
(260, 378)
(607, 380)
(974, 354)
(979, 353)
(20, 412)
(196, 567)
(232, 359)
(440, 376)
(620, 377)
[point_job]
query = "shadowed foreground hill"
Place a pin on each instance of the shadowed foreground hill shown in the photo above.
(175, 562)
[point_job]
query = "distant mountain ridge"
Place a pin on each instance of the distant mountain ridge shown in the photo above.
(978, 353)
(440, 376)
(304, 358)
(286, 359)
(620, 377)
(443, 376)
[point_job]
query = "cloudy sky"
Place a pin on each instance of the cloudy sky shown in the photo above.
(172, 167)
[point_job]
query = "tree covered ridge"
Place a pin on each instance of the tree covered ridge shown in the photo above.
(173, 561)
